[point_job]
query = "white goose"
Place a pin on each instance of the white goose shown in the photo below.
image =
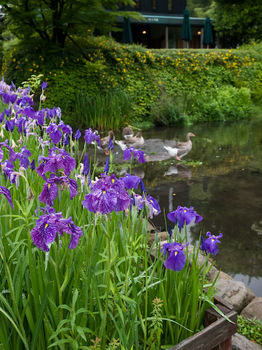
(180, 149)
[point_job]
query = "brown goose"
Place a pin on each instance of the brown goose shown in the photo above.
(105, 141)
(127, 132)
(180, 149)
(136, 141)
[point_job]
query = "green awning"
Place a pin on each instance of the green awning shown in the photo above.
(168, 20)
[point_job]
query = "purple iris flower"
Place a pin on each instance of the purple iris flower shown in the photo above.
(8, 112)
(151, 203)
(5, 97)
(9, 97)
(107, 194)
(131, 181)
(110, 144)
(29, 112)
(43, 85)
(12, 154)
(65, 128)
(50, 188)
(92, 136)
(141, 157)
(135, 153)
(54, 133)
(2, 117)
(6, 192)
(176, 257)
(143, 188)
(46, 210)
(68, 226)
(183, 215)
(210, 244)
(32, 165)
(57, 112)
(10, 125)
(51, 113)
(25, 100)
(66, 140)
(169, 231)
(40, 117)
(23, 157)
(69, 183)
(43, 143)
(20, 123)
(128, 153)
(47, 227)
(153, 206)
(138, 201)
(106, 169)
(8, 169)
(55, 161)
(86, 168)
(50, 191)
(77, 134)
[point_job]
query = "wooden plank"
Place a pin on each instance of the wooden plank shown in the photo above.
(223, 302)
(212, 315)
(213, 335)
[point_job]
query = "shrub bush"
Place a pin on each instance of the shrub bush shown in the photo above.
(203, 85)
(228, 103)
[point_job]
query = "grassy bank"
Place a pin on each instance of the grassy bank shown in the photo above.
(120, 84)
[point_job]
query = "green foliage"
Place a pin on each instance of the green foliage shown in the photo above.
(34, 81)
(167, 111)
(250, 328)
(199, 8)
(119, 83)
(237, 22)
(156, 327)
(102, 294)
(228, 103)
(55, 21)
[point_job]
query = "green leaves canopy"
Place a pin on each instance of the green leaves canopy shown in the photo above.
(237, 22)
(55, 20)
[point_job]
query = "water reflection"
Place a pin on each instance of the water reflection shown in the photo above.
(226, 189)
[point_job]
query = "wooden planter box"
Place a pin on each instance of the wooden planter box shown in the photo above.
(217, 332)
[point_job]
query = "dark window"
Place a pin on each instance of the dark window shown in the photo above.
(154, 4)
(138, 5)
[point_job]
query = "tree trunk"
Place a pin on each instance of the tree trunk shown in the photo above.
(59, 34)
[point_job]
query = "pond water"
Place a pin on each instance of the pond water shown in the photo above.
(221, 178)
(226, 189)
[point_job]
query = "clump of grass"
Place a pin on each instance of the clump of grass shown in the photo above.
(106, 111)
(250, 328)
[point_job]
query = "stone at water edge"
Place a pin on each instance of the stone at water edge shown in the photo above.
(253, 309)
(233, 292)
(239, 342)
